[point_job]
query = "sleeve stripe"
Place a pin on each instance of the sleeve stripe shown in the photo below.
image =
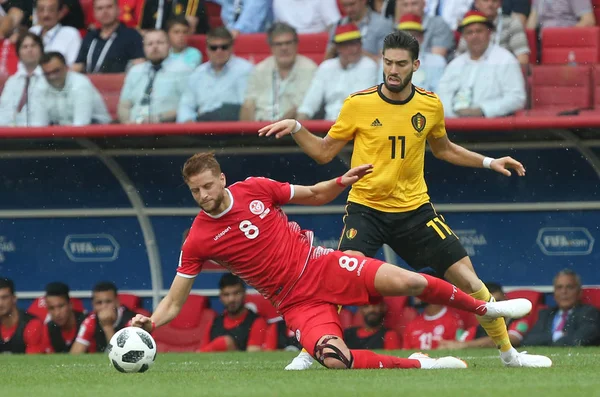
(516, 333)
(291, 191)
(82, 341)
(186, 275)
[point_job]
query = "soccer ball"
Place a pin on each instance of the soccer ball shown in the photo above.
(131, 349)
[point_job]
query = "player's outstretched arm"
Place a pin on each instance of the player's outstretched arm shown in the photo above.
(324, 192)
(322, 150)
(169, 307)
(445, 150)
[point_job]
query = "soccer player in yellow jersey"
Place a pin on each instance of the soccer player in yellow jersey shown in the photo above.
(390, 125)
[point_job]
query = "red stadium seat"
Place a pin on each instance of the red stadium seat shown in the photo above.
(191, 312)
(558, 43)
(313, 45)
(38, 307)
(591, 296)
(261, 306)
(596, 5)
(109, 86)
(130, 301)
(533, 42)
(536, 298)
(346, 318)
(556, 88)
(8, 58)
(181, 339)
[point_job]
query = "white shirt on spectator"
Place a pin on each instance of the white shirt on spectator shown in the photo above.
(63, 39)
(453, 11)
(78, 103)
(307, 16)
(272, 96)
(494, 83)
(208, 90)
(332, 84)
(33, 114)
(167, 88)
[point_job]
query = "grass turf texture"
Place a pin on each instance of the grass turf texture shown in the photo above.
(575, 373)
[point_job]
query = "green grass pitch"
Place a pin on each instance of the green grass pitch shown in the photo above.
(575, 373)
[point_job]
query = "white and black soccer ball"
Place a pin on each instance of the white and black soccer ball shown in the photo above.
(131, 349)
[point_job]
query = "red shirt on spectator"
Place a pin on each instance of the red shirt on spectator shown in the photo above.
(32, 335)
(256, 336)
(425, 332)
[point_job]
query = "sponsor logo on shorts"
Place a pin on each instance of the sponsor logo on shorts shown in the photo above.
(257, 207)
(351, 233)
(298, 335)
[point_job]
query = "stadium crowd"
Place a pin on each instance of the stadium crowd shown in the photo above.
(57, 323)
(475, 54)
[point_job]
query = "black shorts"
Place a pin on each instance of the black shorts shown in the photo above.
(420, 237)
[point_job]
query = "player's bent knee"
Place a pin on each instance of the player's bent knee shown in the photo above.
(333, 353)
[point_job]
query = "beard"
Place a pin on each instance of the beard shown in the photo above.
(211, 206)
(373, 320)
(403, 83)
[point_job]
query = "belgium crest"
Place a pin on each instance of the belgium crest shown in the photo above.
(418, 122)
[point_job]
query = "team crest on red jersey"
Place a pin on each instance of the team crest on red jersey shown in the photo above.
(257, 207)
(351, 233)
(418, 122)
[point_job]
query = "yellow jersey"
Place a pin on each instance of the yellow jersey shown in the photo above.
(391, 135)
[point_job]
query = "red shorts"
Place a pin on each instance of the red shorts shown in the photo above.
(330, 280)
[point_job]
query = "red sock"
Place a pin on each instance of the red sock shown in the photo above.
(440, 292)
(366, 359)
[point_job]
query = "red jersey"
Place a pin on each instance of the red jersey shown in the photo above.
(251, 238)
(33, 335)
(87, 331)
(425, 332)
(256, 336)
(67, 335)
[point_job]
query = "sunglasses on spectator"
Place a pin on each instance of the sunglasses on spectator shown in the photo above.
(215, 47)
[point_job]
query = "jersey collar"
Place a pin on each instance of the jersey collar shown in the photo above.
(391, 101)
(226, 209)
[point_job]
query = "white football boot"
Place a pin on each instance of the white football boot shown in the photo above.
(438, 363)
(511, 308)
(513, 358)
(301, 362)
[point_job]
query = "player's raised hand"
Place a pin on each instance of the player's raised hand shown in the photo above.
(502, 165)
(279, 129)
(142, 321)
(356, 173)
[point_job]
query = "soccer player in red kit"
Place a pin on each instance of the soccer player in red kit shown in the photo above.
(20, 332)
(243, 228)
(435, 324)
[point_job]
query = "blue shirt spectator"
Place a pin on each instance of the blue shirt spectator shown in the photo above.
(178, 30)
(246, 16)
(217, 88)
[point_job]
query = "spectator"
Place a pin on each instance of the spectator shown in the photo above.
(280, 337)
(438, 37)
(561, 13)
(71, 98)
(152, 89)
(61, 329)
(179, 30)
(509, 33)
(17, 15)
(193, 11)
(373, 27)
(237, 328)
(216, 89)
(20, 332)
(435, 324)
(247, 16)
(108, 317)
(21, 103)
(485, 81)
(71, 14)
(518, 9)
(64, 39)
(278, 84)
(373, 335)
(339, 77)
(517, 328)
(308, 16)
(387, 8)
(452, 11)
(570, 323)
(431, 65)
(110, 48)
